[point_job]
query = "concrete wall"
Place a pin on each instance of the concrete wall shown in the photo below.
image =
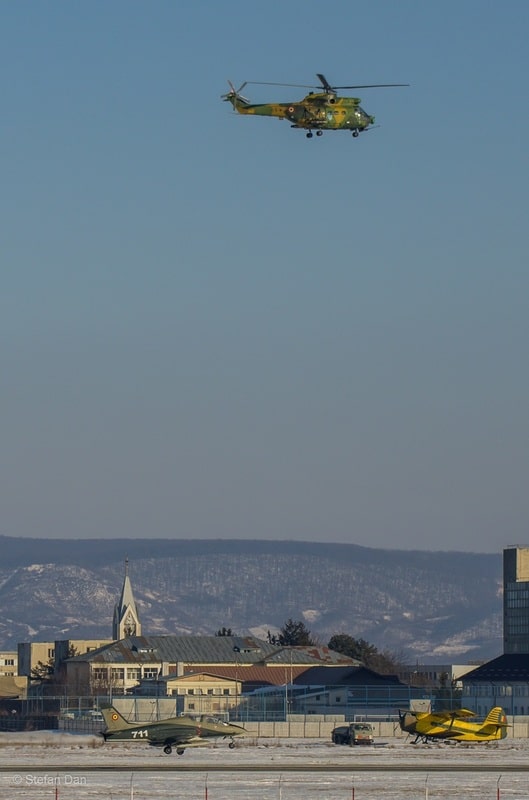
(297, 727)
(313, 730)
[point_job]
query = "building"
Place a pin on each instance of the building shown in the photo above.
(31, 655)
(196, 693)
(516, 600)
(433, 675)
(8, 663)
(119, 667)
(126, 620)
(504, 681)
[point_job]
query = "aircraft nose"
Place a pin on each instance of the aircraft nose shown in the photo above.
(235, 730)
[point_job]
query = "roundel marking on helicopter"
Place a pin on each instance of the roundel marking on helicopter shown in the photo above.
(199, 731)
(291, 109)
(115, 717)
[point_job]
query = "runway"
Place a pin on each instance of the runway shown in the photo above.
(305, 768)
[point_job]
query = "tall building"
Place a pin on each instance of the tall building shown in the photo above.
(126, 621)
(516, 600)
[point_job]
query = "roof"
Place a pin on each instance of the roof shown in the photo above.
(257, 675)
(13, 686)
(345, 676)
(510, 667)
(209, 650)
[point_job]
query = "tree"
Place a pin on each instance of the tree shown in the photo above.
(294, 633)
(384, 662)
(42, 671)
(354, 648)
(225, 632)
(51, 672)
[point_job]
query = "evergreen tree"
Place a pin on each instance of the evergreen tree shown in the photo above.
(384, 662)
(225, 632)
(294, 633)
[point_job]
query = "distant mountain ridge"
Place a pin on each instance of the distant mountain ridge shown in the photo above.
(425, 605)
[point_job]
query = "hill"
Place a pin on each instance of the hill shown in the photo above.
(421, 605)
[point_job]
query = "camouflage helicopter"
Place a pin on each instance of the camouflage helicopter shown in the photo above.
(319, 111)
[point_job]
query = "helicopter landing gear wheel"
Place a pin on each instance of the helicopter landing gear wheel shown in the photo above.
(231, 745)
(168, 749)
(355, 133)
(319, 133)
(179, 751)
(309, 135)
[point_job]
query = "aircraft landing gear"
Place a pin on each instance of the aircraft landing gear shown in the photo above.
(179, 751)
(168, 749)
(309, 135)
(355, 132)
(231, 744)
(319, 133)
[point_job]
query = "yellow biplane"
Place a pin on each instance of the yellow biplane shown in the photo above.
(452, 725)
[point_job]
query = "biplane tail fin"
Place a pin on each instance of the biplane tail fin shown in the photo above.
(495, 723)
(114, 720)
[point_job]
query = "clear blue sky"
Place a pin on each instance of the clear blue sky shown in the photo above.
(212, 327)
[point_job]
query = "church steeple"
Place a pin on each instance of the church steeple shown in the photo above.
(126, 621)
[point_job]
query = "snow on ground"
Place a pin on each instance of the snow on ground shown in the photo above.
(60, 766)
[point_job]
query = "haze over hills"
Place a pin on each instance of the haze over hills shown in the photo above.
(421, 605)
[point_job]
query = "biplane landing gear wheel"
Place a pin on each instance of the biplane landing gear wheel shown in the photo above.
(309, 135)
(168, 749)
(355, 133)
(319, 133)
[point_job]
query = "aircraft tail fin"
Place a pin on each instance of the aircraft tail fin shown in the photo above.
(495, 723)
(114, 720)
(235, 97)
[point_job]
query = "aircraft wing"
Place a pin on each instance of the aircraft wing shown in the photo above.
(176, 739)
(458, 713)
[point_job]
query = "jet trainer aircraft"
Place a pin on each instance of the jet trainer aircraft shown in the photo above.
(451, 725)
(180, 732)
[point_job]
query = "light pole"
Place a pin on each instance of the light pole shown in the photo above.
(237, 651)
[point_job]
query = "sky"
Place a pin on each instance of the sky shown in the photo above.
(212, 327)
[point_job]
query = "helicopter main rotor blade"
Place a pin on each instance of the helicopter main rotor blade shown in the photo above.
(324, 82)
(370, 86)
(326, 85)
(273, 83)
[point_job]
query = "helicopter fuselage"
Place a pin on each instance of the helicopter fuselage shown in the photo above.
(316, 111)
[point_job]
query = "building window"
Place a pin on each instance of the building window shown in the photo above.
(191, 691)
(134, 674)
(150, 672)
(225, 691)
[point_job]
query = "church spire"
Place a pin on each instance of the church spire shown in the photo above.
(126, 621)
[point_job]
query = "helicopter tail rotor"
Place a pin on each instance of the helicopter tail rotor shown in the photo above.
(234, 95)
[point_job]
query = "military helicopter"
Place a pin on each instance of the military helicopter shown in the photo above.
(319, 111)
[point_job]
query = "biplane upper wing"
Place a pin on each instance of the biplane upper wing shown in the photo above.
(457, 713)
